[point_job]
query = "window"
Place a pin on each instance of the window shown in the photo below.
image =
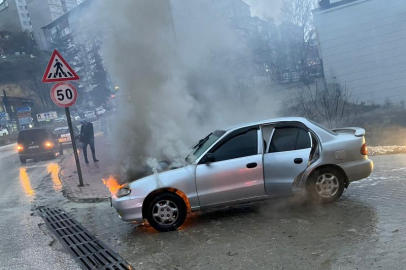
(289, 139)
(242, 145)
(20, 7)
(24, 22)
(303, 140)
(20, 1)
(55, 9)
(3, 5)
(323, 128)
(22, 15)
(55, 2)
(201, 146)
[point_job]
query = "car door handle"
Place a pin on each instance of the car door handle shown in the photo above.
(298, 160)
(252, 165)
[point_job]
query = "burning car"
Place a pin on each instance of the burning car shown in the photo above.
(250, 162)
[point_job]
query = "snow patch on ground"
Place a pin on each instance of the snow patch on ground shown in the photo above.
(386, 150)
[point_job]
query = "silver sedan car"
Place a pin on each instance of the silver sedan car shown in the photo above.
(250, 162)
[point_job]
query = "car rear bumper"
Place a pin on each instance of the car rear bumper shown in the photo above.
(36, 155)
(357, 170)
(128, 209)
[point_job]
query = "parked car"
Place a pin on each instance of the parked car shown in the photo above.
(75, 117)
(90, 115)
(100, 111)
(63, 135)
(60, 119)
(3, 132)
(37, 144)
(250, 162)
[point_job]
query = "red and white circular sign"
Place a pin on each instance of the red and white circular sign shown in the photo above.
(64, 94)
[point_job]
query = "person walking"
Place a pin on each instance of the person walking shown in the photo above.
(87, 138)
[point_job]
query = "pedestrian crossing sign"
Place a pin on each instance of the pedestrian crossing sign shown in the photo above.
(58, 70)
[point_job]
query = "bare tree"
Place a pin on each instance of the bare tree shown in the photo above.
(299, 31)
(327, 103)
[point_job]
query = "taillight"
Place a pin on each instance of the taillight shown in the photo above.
(48, 144)
(20, 148)
(364, 149)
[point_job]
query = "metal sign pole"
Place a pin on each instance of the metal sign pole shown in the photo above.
(75, 152)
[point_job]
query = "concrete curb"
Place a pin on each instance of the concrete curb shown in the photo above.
(67, 192)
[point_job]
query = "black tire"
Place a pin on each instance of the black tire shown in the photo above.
(23, 160)
(330, 186)
(174, 200)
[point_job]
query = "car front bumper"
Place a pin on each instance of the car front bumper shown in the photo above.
(128, 209)
(357, 170)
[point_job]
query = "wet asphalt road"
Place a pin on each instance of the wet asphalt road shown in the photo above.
(23, 244)
(364, 230)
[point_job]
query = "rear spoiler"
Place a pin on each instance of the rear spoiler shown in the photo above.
(358, 132)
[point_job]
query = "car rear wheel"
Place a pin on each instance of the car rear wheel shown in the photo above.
(23, 160)
(166, 212)
(325, 186)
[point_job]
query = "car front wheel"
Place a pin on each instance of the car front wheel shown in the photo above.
(325, 186)
(167, 212)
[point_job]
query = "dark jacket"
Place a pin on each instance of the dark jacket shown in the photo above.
(86, 132)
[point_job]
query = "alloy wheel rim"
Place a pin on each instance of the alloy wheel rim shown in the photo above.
(327, 185)
(165, 212)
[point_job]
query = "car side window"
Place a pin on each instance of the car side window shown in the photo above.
(303, 140)
(242, 145)
(289, 139)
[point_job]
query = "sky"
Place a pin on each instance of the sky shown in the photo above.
(261, 7)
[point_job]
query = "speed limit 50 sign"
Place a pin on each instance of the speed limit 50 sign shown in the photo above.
(64, 94)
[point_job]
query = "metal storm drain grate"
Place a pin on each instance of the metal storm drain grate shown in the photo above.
(87, 250)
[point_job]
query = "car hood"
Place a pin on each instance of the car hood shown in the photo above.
(179, 178)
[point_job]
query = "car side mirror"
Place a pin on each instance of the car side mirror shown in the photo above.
(209, 158)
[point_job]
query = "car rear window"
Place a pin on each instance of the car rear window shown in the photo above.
(33, 135)
(61, 131)
(323, 128)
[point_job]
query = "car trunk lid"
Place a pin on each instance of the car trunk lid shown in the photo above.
(358, 132)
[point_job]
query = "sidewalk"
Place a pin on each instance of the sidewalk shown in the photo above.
(94, 190)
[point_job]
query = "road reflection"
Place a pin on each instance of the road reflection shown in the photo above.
(53, 169)
(26, 184)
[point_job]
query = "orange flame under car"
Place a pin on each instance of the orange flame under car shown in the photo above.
(112, 184)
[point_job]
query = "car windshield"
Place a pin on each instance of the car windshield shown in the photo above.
(201, 146)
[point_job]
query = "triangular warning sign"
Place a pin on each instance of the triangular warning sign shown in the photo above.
(58, 70)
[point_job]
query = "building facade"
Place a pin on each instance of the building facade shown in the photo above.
(42, 12)
(80, 46)
(362, 44)
(14, 16)
(70, 4)
(31, 15)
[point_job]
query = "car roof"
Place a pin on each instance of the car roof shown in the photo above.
(34, 129)
(61, 128)
(263, 122)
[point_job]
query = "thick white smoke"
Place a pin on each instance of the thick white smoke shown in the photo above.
(180, 63)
